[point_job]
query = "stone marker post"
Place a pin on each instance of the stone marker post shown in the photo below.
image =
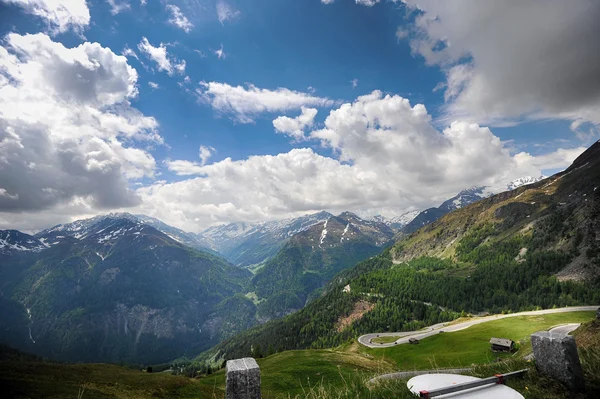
(243, 379)
(556, 356)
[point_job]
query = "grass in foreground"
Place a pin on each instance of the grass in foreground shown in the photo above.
(471, 346)
(35, 379)
(311, 374)
(298, 372)
(531, 386)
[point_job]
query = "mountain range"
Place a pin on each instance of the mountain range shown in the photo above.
(312, 257)
(462, 199)
(536, 246)
(13, 241)
(247, 244)
(110, 289)
(123, 287)
(149, 292)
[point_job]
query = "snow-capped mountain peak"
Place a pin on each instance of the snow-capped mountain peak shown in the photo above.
(229, 239)
(14, 241)
(396, 222)
(83, 228)
(522, 181)
(466, 197)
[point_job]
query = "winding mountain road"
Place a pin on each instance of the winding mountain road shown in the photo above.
(565, 329)
(447, 328)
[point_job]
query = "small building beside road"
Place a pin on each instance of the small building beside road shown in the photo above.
(413, 341)
(502, 344)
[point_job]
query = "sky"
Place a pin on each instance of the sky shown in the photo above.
(204, 112)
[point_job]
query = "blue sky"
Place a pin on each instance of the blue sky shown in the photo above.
(496, 107)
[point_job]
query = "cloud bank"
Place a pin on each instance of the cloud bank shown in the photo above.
(509, 61)
(389, 157)
(67, 128)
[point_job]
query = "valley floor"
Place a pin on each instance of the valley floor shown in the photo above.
(340, 373)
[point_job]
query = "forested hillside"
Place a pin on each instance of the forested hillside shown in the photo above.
(535, 247)
(311, 258)
(306, 263)
(117, 290)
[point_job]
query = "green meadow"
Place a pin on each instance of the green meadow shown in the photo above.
(343, 372)
(471, 346)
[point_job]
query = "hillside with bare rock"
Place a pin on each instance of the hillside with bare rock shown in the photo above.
(561, 213)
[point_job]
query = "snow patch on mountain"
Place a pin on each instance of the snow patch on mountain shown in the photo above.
(344, 232)
(323, 232)
(12, 241)
(396, 222)
(523, 181)
(466, 197)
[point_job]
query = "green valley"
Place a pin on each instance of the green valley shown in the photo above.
(340, 372)
(331, 197)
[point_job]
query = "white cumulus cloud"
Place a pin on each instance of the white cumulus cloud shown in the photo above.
(59, 15)
(68, 133)
(226, 12)
(544, 66)
(220, 53)
(295, 126)
(244, 103)
(204, 153)
(117, 6)
(389, 156)
(368, 3)
(160, 56)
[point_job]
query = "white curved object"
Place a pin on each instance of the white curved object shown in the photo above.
(430, 382)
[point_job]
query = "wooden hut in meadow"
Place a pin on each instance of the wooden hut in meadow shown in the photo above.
(502, 344)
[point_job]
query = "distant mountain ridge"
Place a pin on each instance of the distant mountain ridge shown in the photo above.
(246, 244)
(12, 241)
(462, 199)
(312, 257)
(110, 289)
(82, 228)
(396, 222)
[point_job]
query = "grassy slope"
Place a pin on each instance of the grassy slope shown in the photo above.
(315, 374)
(30, 379)
(293, 372)
(441, 238)
(471, 346)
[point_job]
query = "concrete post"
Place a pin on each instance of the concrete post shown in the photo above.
(243, 379)
(556, 356)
